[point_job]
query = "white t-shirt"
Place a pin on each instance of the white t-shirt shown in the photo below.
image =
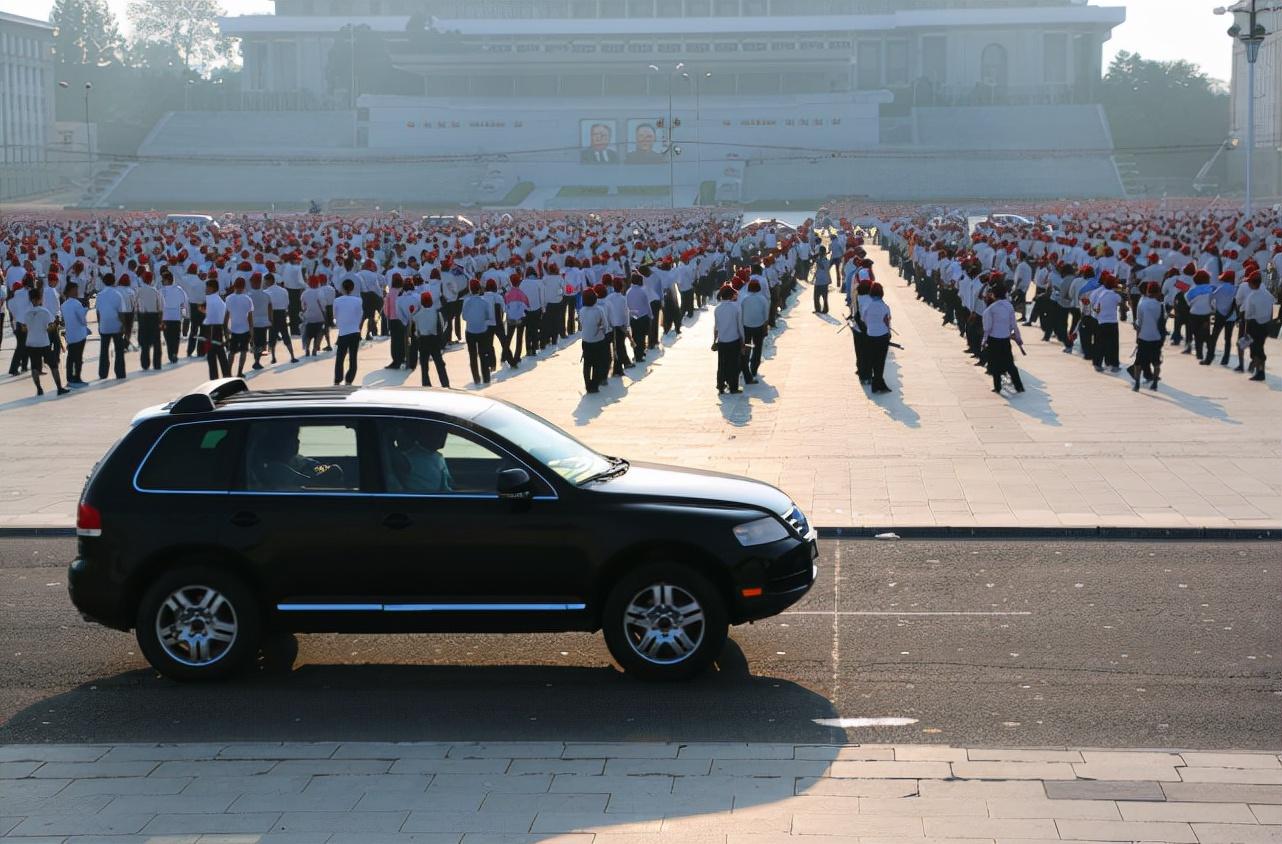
(38, 319)
(239, 309)
(347, 314)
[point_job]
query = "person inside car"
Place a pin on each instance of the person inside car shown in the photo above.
(417, 463)
(278, 465)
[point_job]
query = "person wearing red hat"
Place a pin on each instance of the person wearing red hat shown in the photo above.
(638, 301)
(610, 294)
(349, 314)
(240, 315)
(754, 304)
(312, 312)
(124, 287)
(1106, 303)
(215, 331)
(876, 326)
(42, 341)
(593, 324)
(1260, 322)
(173, 310)
(478, 319)
(109, 306)
(727, 340)
(278, 315)
(1200, 307)
(1150, 330)
(427, 326)
(1223, 315)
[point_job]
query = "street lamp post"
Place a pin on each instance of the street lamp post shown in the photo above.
(672, 140)
(698, 138)
(1248, 29)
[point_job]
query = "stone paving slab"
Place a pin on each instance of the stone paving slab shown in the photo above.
(1079, 449)
(770, 801)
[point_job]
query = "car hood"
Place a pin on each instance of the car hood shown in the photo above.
(651, 479)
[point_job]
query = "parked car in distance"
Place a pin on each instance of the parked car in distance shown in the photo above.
(230, 513)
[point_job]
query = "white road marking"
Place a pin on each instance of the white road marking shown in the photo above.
(856, 612)
(847, 723)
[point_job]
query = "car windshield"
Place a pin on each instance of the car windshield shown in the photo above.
(548, 444)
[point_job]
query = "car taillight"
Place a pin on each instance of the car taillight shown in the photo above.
(88, 521)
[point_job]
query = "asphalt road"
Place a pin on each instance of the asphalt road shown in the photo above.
(980, 643)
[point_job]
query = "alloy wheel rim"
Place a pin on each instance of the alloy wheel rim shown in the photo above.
(664, 624)
(196, 625)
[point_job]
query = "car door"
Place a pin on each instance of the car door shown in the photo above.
(299, 515)
(456, 544)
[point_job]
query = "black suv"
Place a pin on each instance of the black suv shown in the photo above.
(228, 513)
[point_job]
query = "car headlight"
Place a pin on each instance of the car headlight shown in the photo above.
(760, 532)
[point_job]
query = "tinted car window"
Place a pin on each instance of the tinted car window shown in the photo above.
(288, 455)
(191, 458)
(429, 458)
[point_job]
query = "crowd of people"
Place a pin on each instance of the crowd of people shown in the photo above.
(507, 288)
(1204, 280)
(255, 292)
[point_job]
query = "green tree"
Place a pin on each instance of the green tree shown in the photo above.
(1170, 115)
(87, 33)
(189, 27)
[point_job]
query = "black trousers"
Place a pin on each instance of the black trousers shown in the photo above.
(1220, 325)
(369, 312)
(44, 354)
(1258, 332)
(876, 351)
(1087, 328)
(821, 298)
(1148, 360)
(75, 360)
(728, 361)
(1199, 326)
(1105, 352)
(515, 339)
(348, 347)
(105, 342)
(397, 329)
(295, 309)
(477, 358)
(196, 324)
(640, 336)
(173, 333)
(621, 358)
(429, 346)
(280, 333)
(687, 302)
(533, 328)
(596, 360)
(20, 359)
(654, 324)
(756, 337)
(149, 340)
(259, 337)
(1001, 361)
(216, 352)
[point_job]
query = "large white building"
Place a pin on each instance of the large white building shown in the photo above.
(26, 105)
(613, 102)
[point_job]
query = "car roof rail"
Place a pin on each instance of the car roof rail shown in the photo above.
(205, 398)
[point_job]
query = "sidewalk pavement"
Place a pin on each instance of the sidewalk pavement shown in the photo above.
(1079, 449)
(368, 793)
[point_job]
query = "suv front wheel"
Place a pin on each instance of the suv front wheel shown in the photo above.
(664, 622)
(198, 623)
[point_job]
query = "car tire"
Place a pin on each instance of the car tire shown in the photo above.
(198, 623)
(650, 625)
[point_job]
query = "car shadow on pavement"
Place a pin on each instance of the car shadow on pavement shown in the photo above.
(276, 700)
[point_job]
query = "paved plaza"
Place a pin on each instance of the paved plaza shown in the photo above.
(634, 793)
(1078, 449)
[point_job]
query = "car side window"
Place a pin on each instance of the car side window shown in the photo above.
(423, 457)
(192, 458)
(291, 455)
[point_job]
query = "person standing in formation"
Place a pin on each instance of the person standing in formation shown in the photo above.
(214, 326)
(42, 341)
(174, 310)
(75, 319)
(109, 306)
(727, 340)
(1001, 327)
(876, 320)
(349, 313)
(428, 325)
(1150, 334)
(596, 349)
(149, 305)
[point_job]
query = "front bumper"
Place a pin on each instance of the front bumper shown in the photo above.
(778, 577)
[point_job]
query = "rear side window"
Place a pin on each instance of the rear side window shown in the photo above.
(192, 458)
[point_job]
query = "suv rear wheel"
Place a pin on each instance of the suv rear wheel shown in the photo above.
(198, 623)
(664, 621)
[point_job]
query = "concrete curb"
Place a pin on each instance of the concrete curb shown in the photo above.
(921, 532)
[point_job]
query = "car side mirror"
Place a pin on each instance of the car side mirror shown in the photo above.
(514, 484)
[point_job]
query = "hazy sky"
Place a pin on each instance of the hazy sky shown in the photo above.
(1158, 29)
